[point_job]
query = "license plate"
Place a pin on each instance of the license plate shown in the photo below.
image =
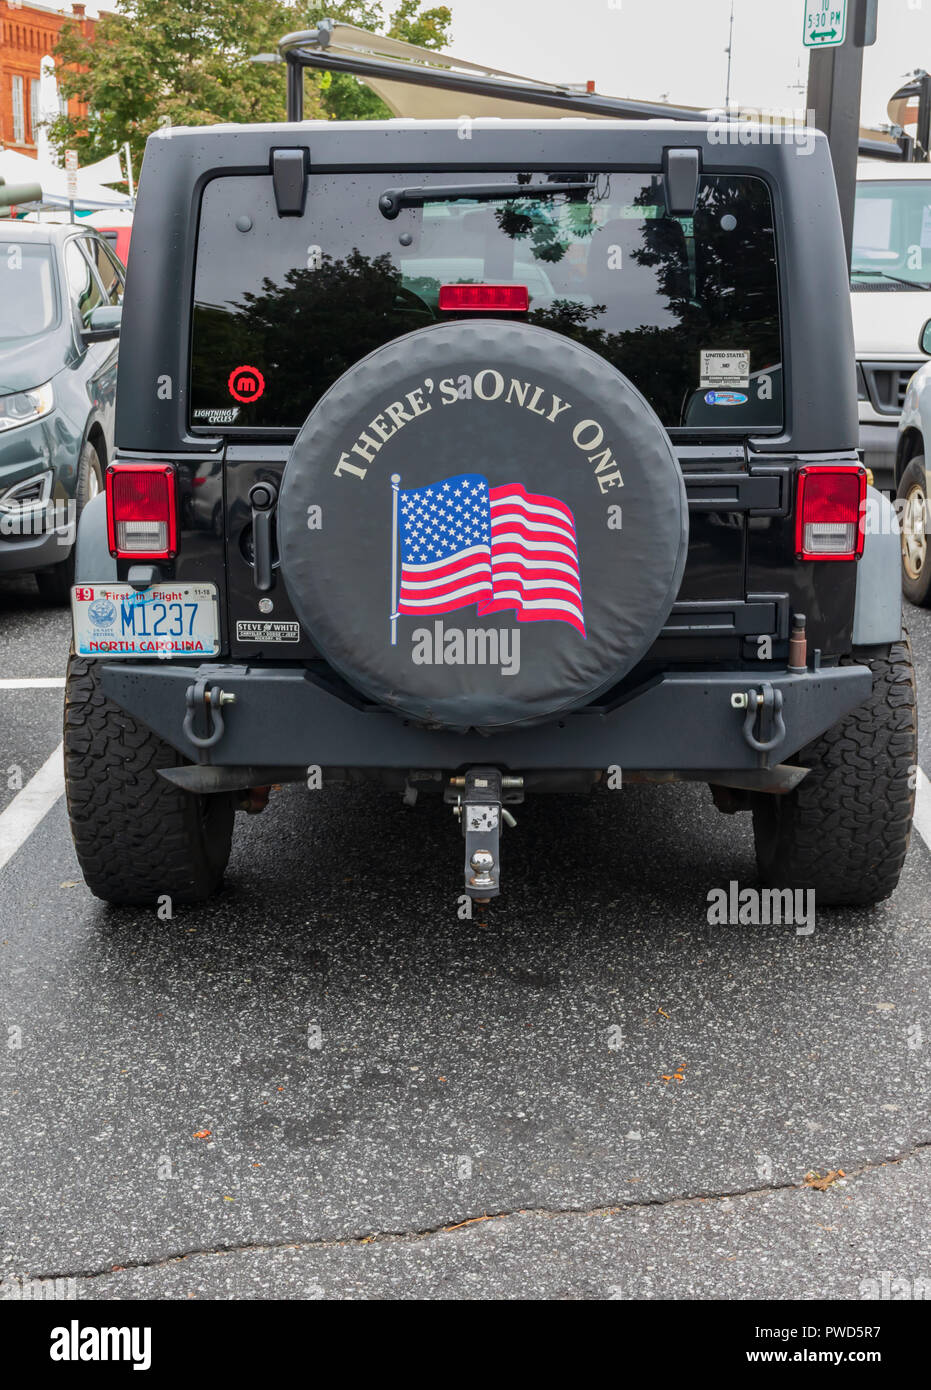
(165, 620)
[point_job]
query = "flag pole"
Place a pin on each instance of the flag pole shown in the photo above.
(395, 484)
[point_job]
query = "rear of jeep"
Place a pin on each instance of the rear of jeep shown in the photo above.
(481, 468)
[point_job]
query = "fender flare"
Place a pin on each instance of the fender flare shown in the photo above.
(877, 617)
(92, 559)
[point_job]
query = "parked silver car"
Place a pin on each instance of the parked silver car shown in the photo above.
(913, 448)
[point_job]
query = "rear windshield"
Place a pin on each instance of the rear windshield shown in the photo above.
(686, 307)
(28, 298)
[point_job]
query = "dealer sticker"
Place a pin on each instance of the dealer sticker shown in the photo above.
(724, 368)
(267, 632)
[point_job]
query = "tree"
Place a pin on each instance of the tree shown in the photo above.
(187, 62)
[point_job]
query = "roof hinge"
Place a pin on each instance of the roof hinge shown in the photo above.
(289, 168)
(681, 175)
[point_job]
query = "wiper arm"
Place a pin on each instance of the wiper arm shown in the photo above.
(896, 279)
(393, 200)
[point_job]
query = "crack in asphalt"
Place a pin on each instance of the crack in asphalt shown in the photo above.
(543, 1213)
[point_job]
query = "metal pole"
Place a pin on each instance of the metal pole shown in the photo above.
(295, 89)
(923, 132)
(834, 81)
(395, 484)
(129, 172)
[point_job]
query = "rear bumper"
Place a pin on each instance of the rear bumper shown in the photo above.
(678, 721)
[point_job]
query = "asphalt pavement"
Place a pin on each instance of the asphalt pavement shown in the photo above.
(324, 1085)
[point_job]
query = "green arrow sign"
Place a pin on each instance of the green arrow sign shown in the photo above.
(825, 25)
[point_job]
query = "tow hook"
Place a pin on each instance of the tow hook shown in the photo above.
(208, 701)
(764, 714)
(478, 802)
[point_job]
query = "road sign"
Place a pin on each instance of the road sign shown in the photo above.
(825, 25)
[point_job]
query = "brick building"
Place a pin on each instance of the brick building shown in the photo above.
(29, 33)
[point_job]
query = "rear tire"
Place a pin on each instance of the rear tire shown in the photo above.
(136, 835)
(912, 495)
(845, 829)
(55, 583)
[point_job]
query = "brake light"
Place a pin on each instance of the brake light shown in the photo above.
(829, 513)
(142, 514)
(490, 298)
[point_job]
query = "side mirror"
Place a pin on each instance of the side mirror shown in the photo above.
(924, 338)
(104, 323)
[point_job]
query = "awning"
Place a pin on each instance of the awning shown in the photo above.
(20, 168)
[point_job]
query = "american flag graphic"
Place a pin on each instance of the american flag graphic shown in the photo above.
(463, 542)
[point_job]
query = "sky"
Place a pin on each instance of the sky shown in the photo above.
(675, 49)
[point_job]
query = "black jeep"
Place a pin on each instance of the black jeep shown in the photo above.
(481, 467)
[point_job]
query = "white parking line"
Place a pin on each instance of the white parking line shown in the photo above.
(33, 683)
(30, 805)
(922, 821)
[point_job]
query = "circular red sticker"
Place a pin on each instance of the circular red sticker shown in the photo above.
(246, 383)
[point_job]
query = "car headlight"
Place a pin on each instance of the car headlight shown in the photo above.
(23, 406)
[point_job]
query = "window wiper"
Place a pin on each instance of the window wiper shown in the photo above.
(393, 200)
(896, 279)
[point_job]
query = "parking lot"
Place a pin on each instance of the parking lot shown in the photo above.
(323, 1084)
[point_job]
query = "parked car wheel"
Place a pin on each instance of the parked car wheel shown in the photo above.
(844, 830)
(137, 836)
(916, 563)
(55, 583)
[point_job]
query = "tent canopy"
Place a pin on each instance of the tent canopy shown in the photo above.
(443, 86)
(20, 168)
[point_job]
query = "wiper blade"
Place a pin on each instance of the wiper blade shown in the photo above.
(393, 200)
(896, 279)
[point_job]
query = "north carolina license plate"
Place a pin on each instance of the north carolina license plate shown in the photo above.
(166, 620)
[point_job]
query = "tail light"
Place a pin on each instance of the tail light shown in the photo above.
(485, 298)
(142, 512)
(829, 514)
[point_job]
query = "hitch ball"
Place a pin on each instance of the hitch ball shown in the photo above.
(482, 864)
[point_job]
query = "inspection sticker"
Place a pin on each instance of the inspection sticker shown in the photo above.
(268, 632)
(724, 368)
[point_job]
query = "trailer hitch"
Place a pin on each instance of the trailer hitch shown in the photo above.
(478, 799)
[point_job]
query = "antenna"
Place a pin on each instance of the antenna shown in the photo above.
(729, 50)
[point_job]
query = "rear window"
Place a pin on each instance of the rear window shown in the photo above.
(28, 293)
(686, 307)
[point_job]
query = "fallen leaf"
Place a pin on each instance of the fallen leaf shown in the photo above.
(202, 1134)
(821, 1184)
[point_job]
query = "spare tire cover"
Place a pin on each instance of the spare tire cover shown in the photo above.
(482, 524)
